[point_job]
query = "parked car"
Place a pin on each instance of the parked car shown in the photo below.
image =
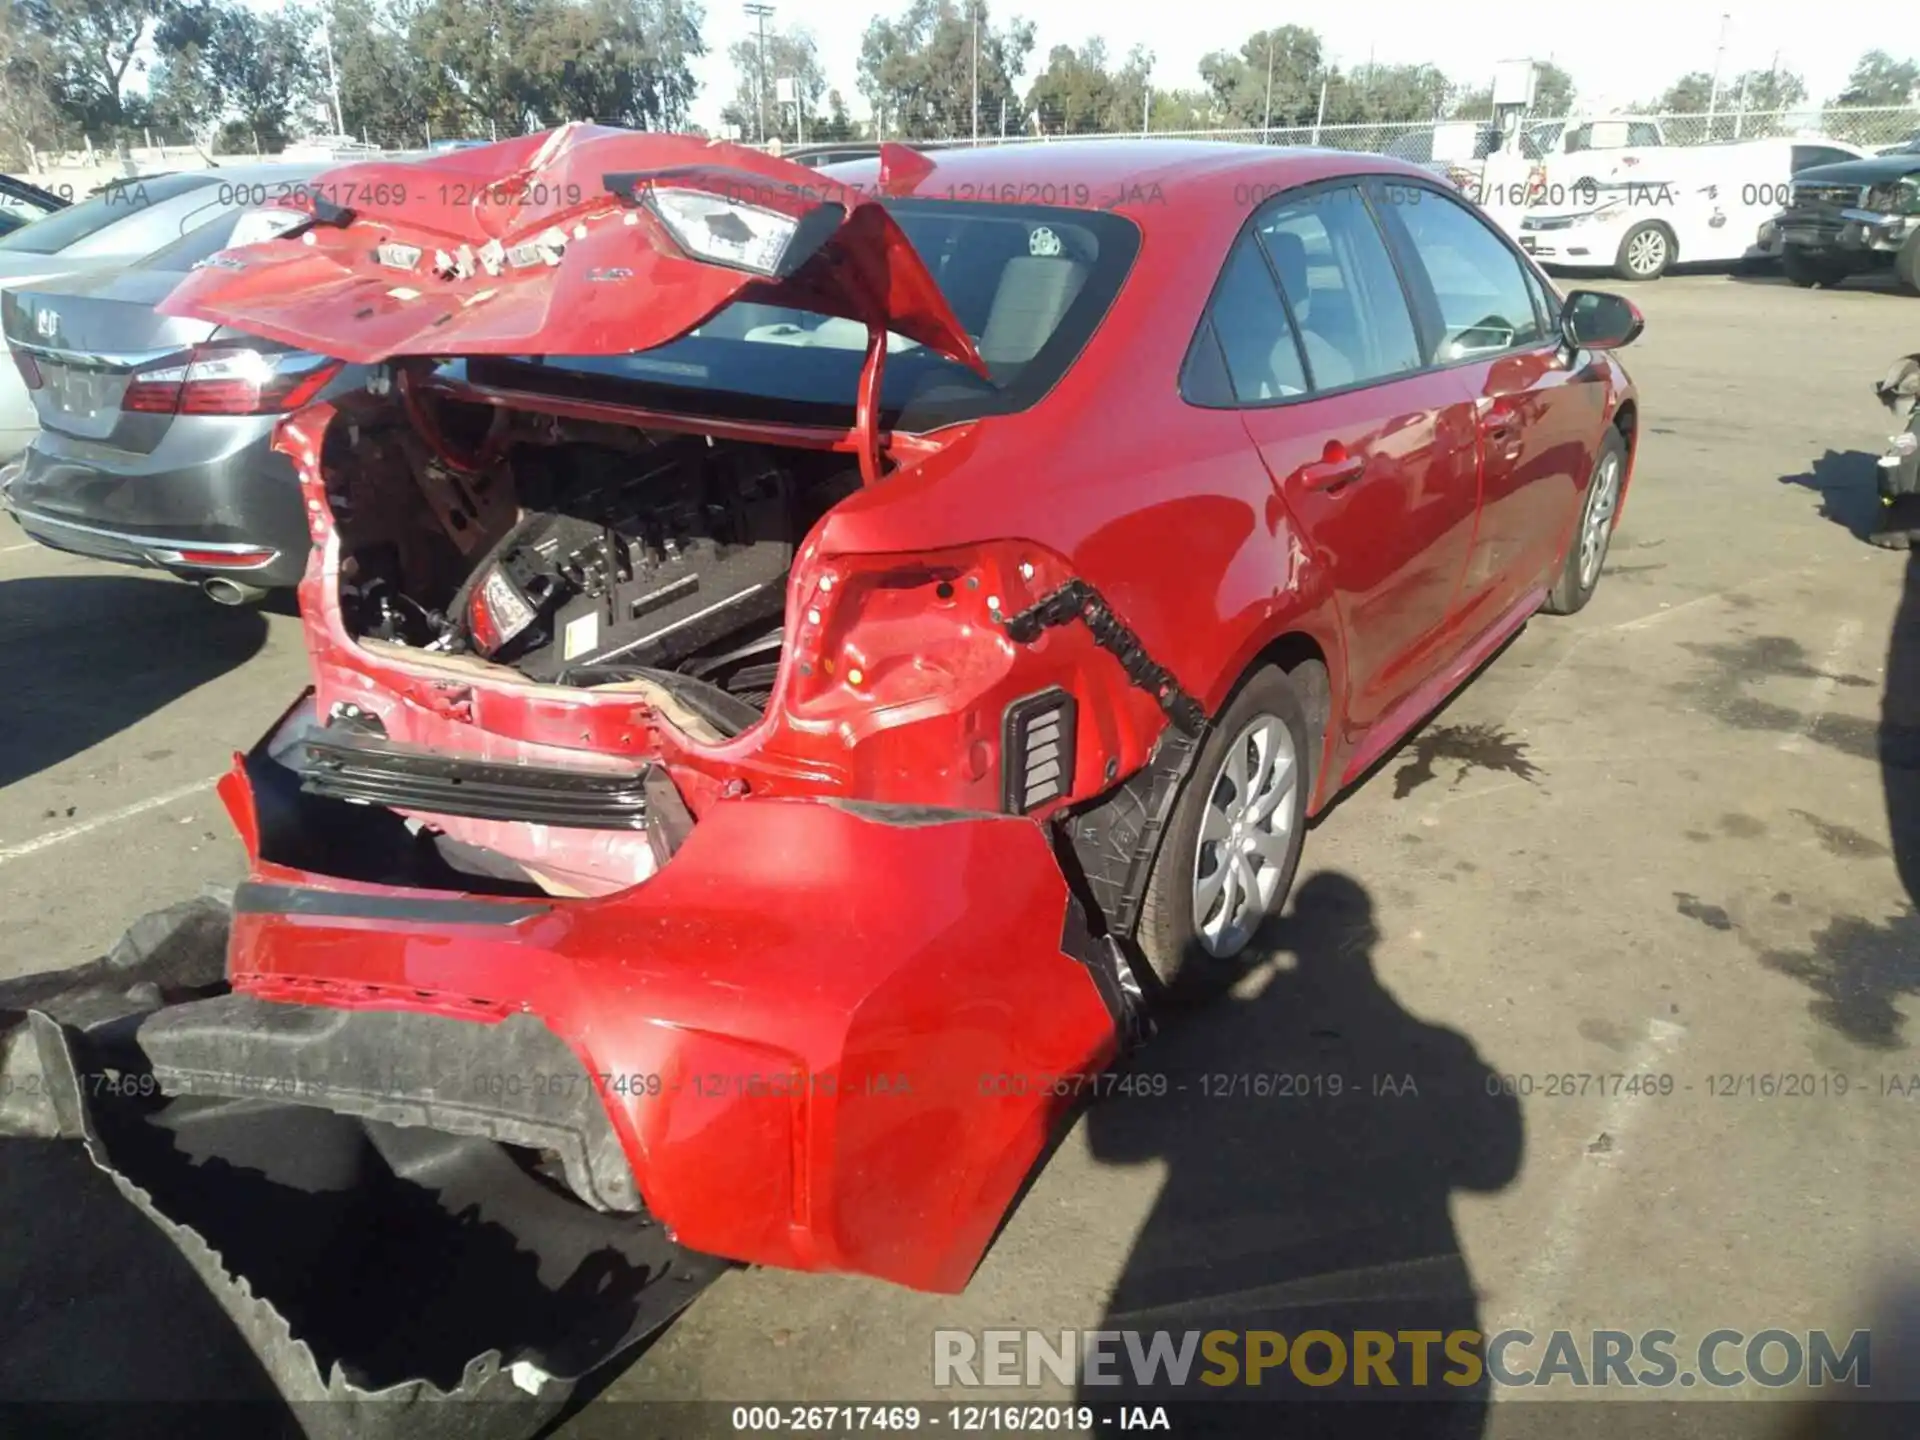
(1698, 204)
(114, 227)
(327, 149)
(832, 153)
(21, 203)
(1451, 142)
(762, 729)
(1581, 153)
(1859, 217)
(153, 447)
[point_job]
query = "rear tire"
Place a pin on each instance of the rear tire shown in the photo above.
(1645, 253)
(1807, 272)
(1207, 898)
(1592, 530)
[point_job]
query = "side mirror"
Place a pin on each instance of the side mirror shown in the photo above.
(1595, 320)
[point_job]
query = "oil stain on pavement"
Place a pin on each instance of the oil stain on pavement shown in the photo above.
(1473, 747)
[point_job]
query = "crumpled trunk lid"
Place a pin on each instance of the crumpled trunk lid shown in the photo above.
(548, 245)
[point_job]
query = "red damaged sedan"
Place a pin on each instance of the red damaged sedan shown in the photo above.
(791, 647)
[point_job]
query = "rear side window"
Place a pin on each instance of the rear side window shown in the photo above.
(1642, 133)
(1252, 335)
(1340, 283)
(77, 222)
(1480, 285)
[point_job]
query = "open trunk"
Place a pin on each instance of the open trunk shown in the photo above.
(582, 554)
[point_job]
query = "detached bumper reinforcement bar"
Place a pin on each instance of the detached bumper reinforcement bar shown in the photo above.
(378, 772)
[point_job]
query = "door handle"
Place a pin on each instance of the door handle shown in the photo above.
(1330, 474)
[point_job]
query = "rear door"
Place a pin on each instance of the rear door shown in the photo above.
(1536, 422)
(1373, 455)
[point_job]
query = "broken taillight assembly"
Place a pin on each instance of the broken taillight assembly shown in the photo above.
(230, 380)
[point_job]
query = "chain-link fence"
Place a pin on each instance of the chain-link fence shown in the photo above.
(1868, 128)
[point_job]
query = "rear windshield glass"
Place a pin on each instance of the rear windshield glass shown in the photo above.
(1029, 283)
(196, 245)
(119, 200)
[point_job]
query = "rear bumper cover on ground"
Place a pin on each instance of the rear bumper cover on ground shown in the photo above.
(426, 1144)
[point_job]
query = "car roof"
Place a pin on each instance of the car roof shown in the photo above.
(1135, 177)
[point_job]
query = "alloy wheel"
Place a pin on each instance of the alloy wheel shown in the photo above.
(1245, 835)
(1647, 252)
(1596, 529)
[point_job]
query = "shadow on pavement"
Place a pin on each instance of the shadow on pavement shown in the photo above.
(1847, 483)
(1313, 1134)
(104, 652)
(98, 1310)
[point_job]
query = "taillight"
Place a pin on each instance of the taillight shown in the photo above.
(228, 380)
(29, 369)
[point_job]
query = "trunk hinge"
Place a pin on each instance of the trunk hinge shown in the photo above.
(866, 413)
(1077, 600)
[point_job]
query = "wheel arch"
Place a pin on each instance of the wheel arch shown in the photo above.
(1311, 656)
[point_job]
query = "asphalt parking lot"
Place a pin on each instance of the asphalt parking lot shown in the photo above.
(1676, 835)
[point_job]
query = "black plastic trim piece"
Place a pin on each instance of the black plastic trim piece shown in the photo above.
(253, 897)
(348, 767)
(1111, 960)
(1116, 838)
(1077, 600)
(405, 1068)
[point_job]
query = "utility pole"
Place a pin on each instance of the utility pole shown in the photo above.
(1266, 118)
(1713, 95)
(333, 85)
(760, 13)
(975, 8)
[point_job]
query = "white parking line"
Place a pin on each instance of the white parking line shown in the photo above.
(1667, 612)
(100, 822)
(9, 549)
(1543, 1285)
(1823, 685)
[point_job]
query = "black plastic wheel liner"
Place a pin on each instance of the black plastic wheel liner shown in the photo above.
(383, 1274)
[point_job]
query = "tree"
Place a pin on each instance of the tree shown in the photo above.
(1766, 91)
(1386, 94)
(221, 60)
(1691, 94)
(1274, 78)
(95, 48)
(836, 125)
(30, 115)
(791, 55)
(1185, 109)
(469, 68)
(916, 71)
(1879, 79)
(1078, 94)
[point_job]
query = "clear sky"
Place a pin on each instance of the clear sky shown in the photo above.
(1617, 52)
